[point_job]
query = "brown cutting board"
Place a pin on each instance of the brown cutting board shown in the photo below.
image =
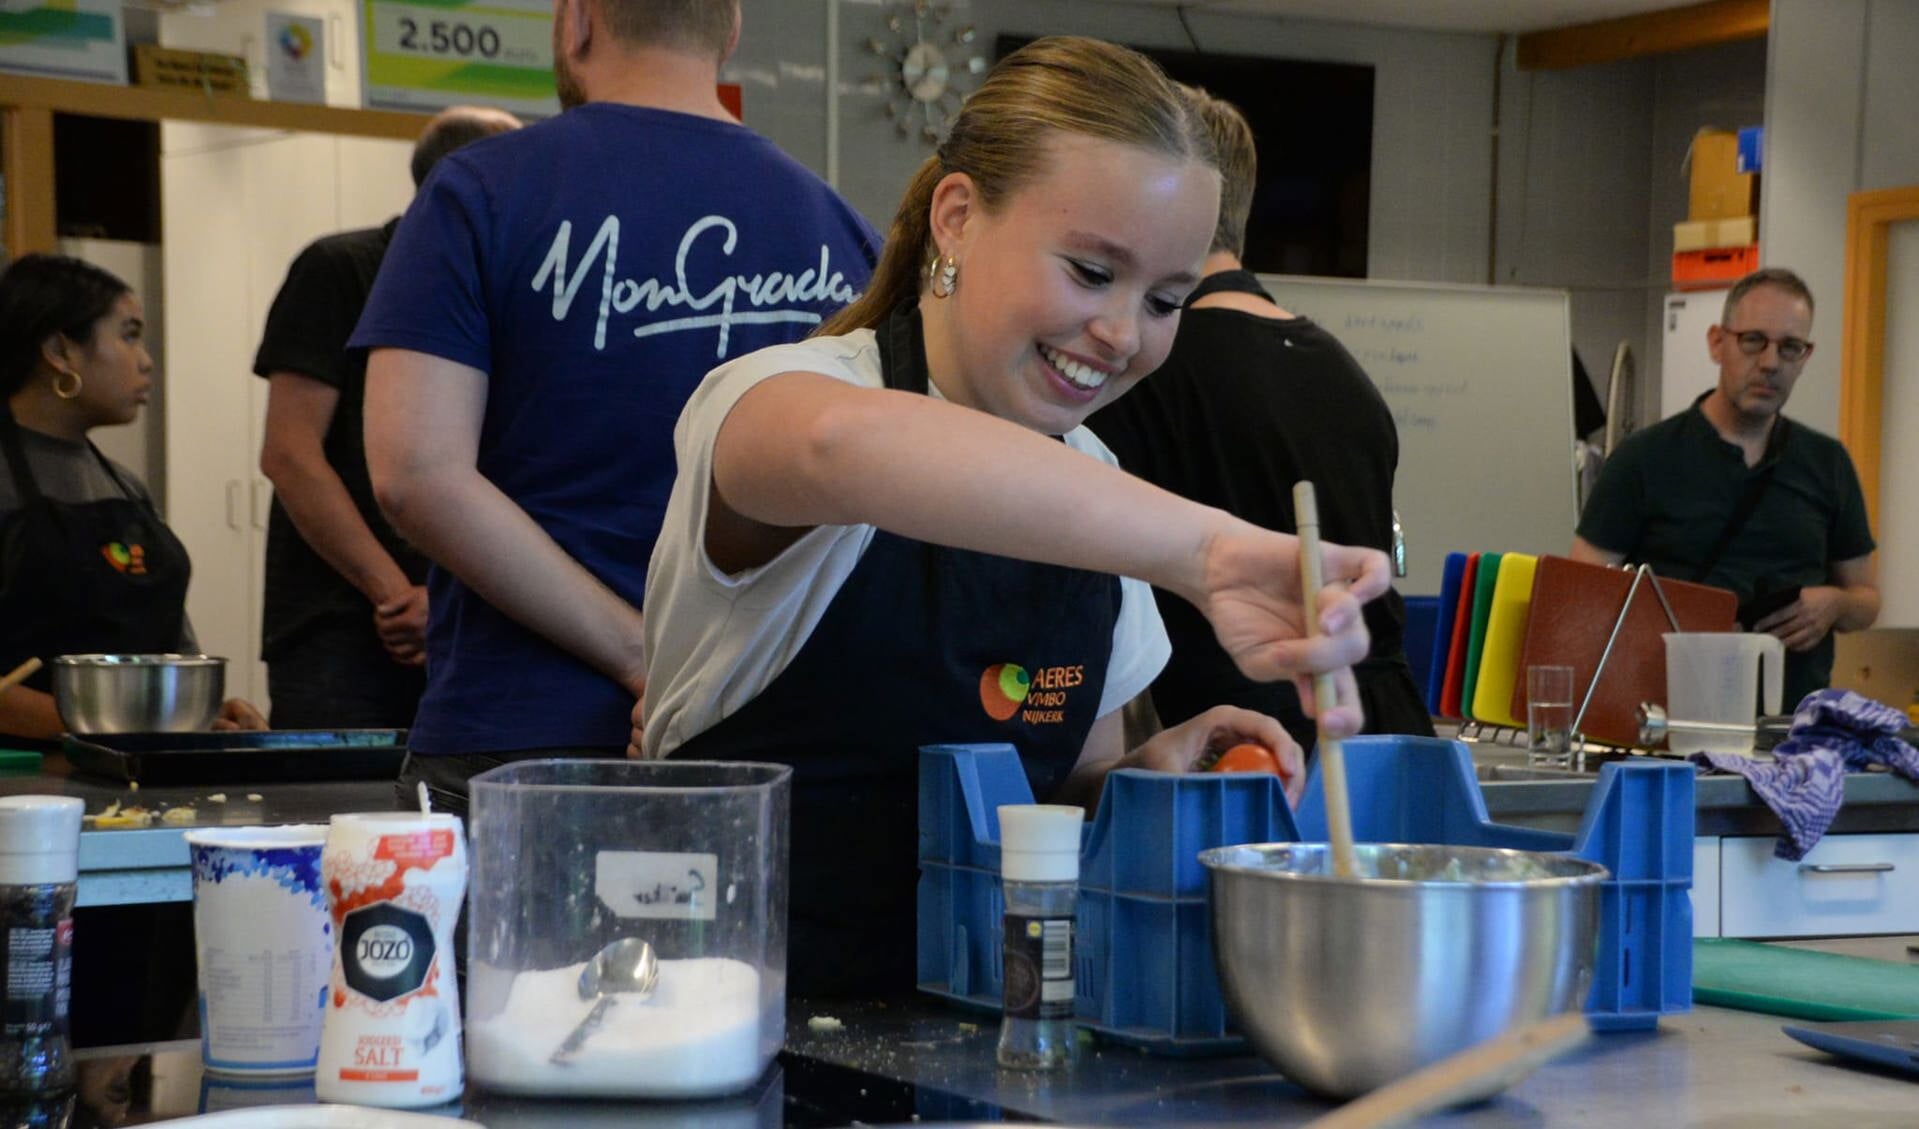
(1573, 608)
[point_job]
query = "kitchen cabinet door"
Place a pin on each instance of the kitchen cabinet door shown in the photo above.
(209, 425)
(239, 204)
(1848, 884)
(1705, 886)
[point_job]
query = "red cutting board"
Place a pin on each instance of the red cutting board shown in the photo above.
(1449, 698)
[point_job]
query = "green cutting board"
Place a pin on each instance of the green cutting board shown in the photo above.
(1801, 983)
(1484, 582)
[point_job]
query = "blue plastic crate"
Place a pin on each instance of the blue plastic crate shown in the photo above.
(1144, 964)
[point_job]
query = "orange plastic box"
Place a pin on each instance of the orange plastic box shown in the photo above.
(1713, 267)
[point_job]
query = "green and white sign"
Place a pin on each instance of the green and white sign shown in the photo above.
(81, 39)
(431, 54)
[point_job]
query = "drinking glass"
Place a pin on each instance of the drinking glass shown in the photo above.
(1549, 716)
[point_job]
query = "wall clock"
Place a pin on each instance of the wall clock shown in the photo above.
(926, 63)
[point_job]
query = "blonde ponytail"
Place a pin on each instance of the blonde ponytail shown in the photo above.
(903, 260)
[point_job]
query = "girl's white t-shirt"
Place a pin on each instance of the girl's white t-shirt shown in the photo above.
(714, 641)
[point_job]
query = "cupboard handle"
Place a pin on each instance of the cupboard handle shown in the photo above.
(260, 497)
(335, 54)
(1846, 868)
(233, 503)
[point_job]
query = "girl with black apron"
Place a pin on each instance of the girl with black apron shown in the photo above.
(84, 577)
(854, 865)
(842, 666)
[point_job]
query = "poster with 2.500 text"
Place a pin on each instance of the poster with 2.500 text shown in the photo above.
(426, 55)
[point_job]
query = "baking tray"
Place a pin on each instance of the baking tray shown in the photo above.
(273, 756)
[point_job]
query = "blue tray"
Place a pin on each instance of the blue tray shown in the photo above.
(1144, 965)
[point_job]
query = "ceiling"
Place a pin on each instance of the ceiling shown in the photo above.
(1435, 15)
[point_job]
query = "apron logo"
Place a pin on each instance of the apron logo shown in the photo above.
(130, 560)
(1039, 698)
(1002, 688)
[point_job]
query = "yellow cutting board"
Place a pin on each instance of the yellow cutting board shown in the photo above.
(1505, 639)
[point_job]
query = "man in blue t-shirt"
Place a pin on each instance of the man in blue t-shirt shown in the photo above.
(549, 302)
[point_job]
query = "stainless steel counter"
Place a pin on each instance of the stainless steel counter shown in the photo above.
(1726, 805)
(132, 866)
(1712, 1067)
(913, 1059)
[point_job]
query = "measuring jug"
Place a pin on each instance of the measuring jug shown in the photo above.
(1714, 676)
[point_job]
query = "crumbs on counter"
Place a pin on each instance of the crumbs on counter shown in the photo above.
(116, 815)
(119, 816)
(825, 1023)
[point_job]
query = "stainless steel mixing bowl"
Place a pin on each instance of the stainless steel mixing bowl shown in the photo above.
(138, 693)
(1346, 985)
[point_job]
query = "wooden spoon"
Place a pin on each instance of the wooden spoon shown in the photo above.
(1332, 762)
(1503, 1060)
(19, 674)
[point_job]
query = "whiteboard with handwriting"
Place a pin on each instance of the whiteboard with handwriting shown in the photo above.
(1479, 379)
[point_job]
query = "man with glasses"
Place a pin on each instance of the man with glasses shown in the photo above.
(1733, 494)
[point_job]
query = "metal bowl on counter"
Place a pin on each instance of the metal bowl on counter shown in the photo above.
(138, 693)
(1348, 984)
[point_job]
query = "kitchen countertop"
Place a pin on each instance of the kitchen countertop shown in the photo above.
(1725, 804)
(1709, 1067)
(140, 865)
(915, 1059)
(136, 865)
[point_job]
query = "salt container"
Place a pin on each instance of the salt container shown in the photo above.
(571, 855)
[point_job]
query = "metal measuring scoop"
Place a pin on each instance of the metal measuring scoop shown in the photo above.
(627, 967)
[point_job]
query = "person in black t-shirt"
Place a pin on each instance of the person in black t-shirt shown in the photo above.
(343, 634)
(1251, 400)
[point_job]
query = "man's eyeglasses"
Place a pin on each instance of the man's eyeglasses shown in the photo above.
(1752, 343)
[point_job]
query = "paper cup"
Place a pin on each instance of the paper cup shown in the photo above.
(263, 942)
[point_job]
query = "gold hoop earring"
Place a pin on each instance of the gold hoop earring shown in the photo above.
(63, 390)
(945, 272)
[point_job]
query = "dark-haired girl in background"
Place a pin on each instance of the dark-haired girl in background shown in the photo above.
(86, 564)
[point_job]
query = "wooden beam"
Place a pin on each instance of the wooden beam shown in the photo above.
(145, 103)
(1862, 351)
(1654, 33)
(26, 136)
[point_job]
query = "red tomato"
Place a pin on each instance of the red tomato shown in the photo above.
(1248, 757)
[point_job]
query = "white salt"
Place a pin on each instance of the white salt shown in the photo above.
(697, 1035)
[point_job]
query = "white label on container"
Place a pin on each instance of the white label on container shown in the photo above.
(681, 887)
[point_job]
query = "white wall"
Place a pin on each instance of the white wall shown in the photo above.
(1574, 164)
(1592, 176)
(1590, 160)
(1899, 470)
(1841, 92)
(1432, 145)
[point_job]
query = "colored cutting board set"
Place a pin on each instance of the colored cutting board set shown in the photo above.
(1503, 612)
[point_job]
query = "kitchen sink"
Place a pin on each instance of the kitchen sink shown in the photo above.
(1507, 771)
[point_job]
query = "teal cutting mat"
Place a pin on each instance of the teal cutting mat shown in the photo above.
(1801, 983)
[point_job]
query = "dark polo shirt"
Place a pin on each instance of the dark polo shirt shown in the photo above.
(1665, 496)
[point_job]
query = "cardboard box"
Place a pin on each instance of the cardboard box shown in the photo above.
(1719, 190)
(1701, 235)
(204, 71)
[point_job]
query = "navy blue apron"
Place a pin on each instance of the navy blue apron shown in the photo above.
(84, 577)
(922, 645)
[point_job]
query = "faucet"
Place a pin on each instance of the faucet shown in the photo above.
(1399, 546)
